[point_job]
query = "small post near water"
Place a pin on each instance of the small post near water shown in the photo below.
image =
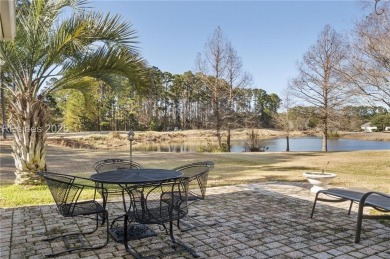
(130, 137)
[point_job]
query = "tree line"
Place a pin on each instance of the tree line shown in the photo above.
(179, 102)
(170, 101)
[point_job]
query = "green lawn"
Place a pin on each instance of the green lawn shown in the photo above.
(369, 170)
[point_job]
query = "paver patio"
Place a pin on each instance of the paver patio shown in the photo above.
(265, 220)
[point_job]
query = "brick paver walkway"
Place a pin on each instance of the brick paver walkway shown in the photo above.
(268, 220)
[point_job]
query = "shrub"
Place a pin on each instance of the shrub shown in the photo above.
(381, 121)
(254, 143)
(114, 135)
(105, 125)
(95, 137)
(333, 135)
(210, 147)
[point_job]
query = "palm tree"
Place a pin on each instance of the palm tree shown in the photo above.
(63, 42)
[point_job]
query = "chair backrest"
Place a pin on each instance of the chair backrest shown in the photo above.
(114, 164)
(64, 191)
(197, 174)
(159, 202)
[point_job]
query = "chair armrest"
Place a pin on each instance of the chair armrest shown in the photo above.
(365, 196)
(368, 194)
(84, 181)
(98, 189)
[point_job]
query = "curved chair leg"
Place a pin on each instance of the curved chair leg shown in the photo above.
(190, 250)
(82, 248)
(77, 233)
(314, 205)
(125, 239)
(359, 223)
(350, 207)
(192, 223)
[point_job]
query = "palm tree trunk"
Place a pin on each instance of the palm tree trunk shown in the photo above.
(27, 122)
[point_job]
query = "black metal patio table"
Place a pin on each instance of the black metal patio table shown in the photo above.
(125, 177)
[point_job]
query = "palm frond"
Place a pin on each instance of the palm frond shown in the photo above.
(81, 34)
(42, 45)
(109, 29)
(104, 64)
(85, 86)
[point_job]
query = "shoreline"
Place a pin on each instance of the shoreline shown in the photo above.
(194, 135)
(372, 136)
(367, 168)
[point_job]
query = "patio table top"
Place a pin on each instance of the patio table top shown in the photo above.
(134, 176)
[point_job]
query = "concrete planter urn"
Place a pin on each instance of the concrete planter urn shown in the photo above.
(319, 180)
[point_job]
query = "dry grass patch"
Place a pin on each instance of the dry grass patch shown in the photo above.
(358, 169)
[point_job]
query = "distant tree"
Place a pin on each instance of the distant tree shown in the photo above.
(352, 117)
(265, 106)
(54, 111)
(77, 116)
(213, 69)
(304, 117)
(381, 121)
(273, 104)
(318, 82)
(168, 96)
(236, 78)
(283, 119)
(74, 111)
(187, 95)
(260, 99)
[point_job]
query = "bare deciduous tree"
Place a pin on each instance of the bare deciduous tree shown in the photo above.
(282, 119)
(369, 63)
(221, 70)
(318, 82)
(213, 68)
(236, 78)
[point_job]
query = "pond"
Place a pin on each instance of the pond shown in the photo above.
(274, 145)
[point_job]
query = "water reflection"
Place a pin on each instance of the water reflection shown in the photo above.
(315, 144)
(168, 147)
(274, 145)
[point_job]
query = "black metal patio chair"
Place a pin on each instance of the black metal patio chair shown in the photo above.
(376, 200)
(197, 174)
(114, 164)
(67, 192)
(156, 203)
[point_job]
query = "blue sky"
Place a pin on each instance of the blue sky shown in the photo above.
(269, 36)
